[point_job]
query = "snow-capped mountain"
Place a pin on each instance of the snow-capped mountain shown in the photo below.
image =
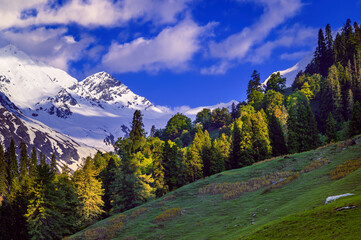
(47, 108)
(291, 73)
(88, 114)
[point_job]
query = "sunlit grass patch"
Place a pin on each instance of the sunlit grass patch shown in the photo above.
(345, 169)
(138, 212)
(167, 215)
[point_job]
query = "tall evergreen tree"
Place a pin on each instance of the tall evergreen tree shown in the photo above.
(329, 46)
(12, 162)
(277, 137)
(67, 196)
(53, 164)
(171, 164)
(108, 177)
(89, 192)
(301, 124)
(42, 159)
(137, 134)
(235, 154)
(3, 171)
(43, 212)
(331, 130)
(158, 171)
(126, 188)
(355, 121)
(254, 90)
(33, 162)
(23, 161)
(321, 54)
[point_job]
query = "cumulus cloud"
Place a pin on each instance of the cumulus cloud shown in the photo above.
(19, 13)
(237, 46)
(52, 46)
(172, 48)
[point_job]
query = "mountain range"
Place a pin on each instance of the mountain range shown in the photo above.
(48, 109)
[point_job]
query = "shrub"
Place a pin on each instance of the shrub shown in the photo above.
(138, 212)
(167, 215)
(98, 233)
(345, 169)
(314, 165)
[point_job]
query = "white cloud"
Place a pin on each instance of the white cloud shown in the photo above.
(88, 13)
(237, 46)
(295, 36)
(52, 46)
(216, 69)
(172, 48)
(294, 55)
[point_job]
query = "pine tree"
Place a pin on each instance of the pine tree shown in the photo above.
(254, 90)
(277, 137)
(53, 163)
(301, 124)
(42, 160)
(43, 212)
(137, 133)
(24, 161)
(89, 192)
(171, 165)
(33, 163)
(3, 171)
(261, 145)
(329, 46)
(108, 177)
(216, 161)
(321, 54)
(12, 162)
(276, 83)
(331, 130)
(355, 121)
(126, 188)
(152, 131)
(158, 171)
(67, 196)
(235, 154)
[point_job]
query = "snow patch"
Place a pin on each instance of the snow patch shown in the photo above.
(333, 198)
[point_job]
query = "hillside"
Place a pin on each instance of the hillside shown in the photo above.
(196, 211)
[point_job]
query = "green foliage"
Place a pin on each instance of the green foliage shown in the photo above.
(137, 133)
(33, 163)
(302, 128)
(89, 192)
(23, 161)
(43, 212)
(126, 189)
(3, 171)
(331, 130)
(220, 117)
(276, 83)
(12, 162)
(53, 163)
(176, 125)
(204, 117)
(277, 137)
(355, 121)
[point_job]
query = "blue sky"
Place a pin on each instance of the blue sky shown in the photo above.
(173, 52)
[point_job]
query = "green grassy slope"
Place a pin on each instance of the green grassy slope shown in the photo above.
(253, 215)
